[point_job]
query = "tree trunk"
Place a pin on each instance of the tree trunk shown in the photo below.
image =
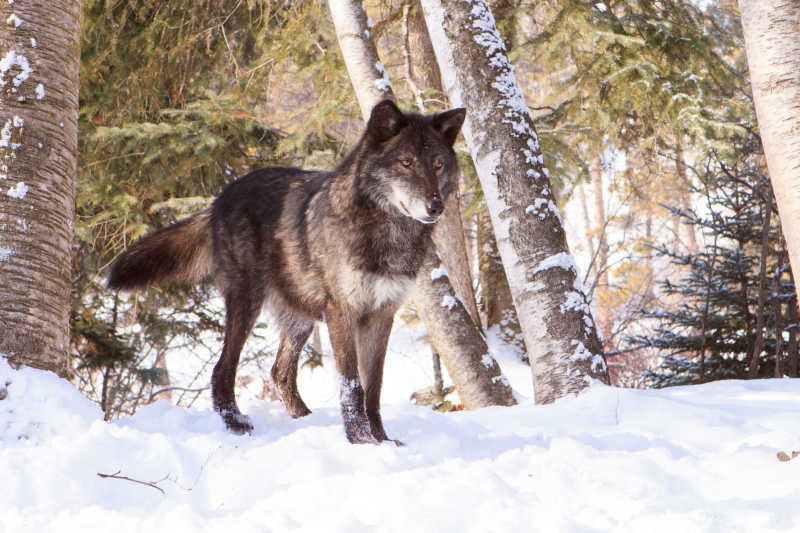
(777, 314)
(423, 73)
(475, 373)
(604, 319)
(792, 349)
(686, 199)
(454, 336)
(761, 311)
(498, 305)
(370, 81)
(38, 160)
(560, 335)
(772, 40)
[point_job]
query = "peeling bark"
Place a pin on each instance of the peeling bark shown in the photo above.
(40, 54)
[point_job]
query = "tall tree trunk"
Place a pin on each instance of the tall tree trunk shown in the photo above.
(560, 335)
(453, 334)
(777, 314)
(686, 200)
(423, 73)
(587, 223)
(792, 349)
(761, 311)
(772, 40)
(604, 319)
(39, 53)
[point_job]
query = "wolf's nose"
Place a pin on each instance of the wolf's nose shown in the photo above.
(435, 208)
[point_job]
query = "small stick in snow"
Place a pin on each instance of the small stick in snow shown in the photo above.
(153, 484)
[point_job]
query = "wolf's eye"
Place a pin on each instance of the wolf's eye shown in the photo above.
(406, 162)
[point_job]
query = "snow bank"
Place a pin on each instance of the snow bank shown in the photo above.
(686, 459)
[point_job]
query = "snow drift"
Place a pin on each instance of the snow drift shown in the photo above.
(685, 459)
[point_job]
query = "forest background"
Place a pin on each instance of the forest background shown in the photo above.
(647, 125)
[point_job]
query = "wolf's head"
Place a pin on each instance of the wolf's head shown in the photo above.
(407, 164)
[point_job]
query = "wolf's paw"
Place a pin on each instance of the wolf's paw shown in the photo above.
(296, 408)
(237, 422)
(362, 439)
(359, 433)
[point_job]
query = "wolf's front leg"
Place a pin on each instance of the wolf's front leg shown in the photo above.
(372, 337)
(351, 393)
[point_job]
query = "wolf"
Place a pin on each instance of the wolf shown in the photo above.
(343, 246)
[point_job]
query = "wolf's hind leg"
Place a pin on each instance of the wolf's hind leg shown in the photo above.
(241, 311)
(284, 371)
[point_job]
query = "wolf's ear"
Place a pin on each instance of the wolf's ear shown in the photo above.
(385, 121)
(448, 123)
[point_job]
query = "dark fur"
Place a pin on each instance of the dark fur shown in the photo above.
(341, 247)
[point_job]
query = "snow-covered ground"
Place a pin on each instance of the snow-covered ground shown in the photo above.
(679, 460)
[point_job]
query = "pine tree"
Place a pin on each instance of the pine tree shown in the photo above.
(721, 311)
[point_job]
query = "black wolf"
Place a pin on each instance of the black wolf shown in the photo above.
(342, 246)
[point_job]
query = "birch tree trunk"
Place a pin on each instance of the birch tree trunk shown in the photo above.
(370, 81)
(459, 342)
(772, 40)
(39, 65)
(560, 335)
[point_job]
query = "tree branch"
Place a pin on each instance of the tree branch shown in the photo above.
(153, 484)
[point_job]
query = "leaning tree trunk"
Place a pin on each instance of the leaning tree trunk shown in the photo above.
(772, 39)
(39, 55)
(422, 74)
(453, 334)
(560, 335)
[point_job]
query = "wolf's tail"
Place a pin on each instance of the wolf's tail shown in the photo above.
(179, 253)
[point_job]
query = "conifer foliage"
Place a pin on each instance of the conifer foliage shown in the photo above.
(735, 297)
(177, 99)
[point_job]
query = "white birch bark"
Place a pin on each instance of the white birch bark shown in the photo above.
(560, 335)
(370, 81)
(772, 39)
(476, 375)
(39, 65)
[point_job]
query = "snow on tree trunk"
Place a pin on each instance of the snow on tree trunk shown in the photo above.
(39, 65)
(475, 373)
(560, 335)
(454, 336)
(772, 39)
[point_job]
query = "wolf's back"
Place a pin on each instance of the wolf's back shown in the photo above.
(180, 253)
